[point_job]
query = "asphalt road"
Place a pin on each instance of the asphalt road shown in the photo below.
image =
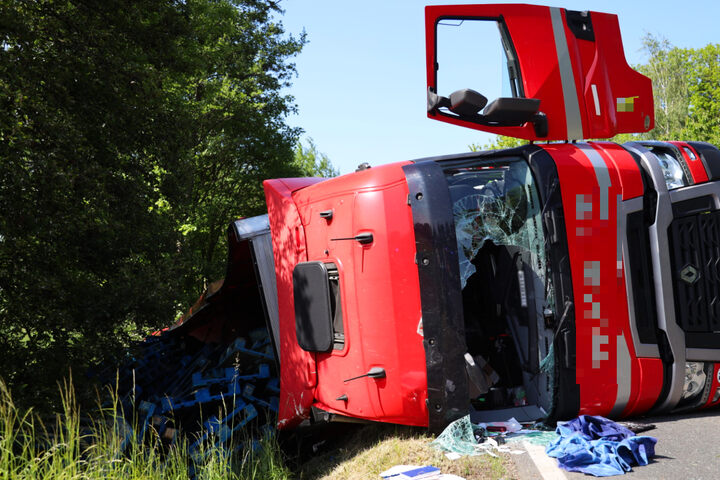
(688, 448)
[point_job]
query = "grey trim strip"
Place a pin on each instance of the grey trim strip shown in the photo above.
(702, 355)
(624, 377)
(697, 190)
(662, 271)
(265, 265)
(567, 78)
(603, 178)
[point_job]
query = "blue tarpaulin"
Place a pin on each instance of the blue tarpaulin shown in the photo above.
(600, 447)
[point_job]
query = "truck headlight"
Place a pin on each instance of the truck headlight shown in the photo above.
(694, 379)
(672, 170)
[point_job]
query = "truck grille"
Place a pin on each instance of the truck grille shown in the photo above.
(695, 255)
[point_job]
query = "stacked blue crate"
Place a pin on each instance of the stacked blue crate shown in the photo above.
(212, 394)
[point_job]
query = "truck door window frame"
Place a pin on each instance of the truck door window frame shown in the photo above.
(510, 55)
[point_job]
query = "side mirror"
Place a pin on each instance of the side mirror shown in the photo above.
(313, 307)
(511, 112)
(467, 102)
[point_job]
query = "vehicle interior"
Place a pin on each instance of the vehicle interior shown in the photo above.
(505, 286)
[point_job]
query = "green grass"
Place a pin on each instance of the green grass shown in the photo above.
(375, 448)
(72, 446)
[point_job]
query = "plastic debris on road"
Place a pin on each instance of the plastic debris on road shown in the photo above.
(404, 472)
(459, 437)
(510, 426)
(534, 437)
(464, 438)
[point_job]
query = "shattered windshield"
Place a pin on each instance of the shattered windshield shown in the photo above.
(496, 202)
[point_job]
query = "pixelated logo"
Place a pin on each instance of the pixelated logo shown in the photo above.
(626, 104)
(689, 274)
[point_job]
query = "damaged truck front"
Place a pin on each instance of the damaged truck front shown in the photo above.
(544, 281)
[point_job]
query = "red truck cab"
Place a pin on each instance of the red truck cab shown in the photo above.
(546, 262)
(548, 280)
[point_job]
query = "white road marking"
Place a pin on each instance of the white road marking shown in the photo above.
(547, 466)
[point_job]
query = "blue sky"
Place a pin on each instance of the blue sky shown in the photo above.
(360, 88)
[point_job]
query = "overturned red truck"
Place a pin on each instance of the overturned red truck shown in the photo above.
(549, 280)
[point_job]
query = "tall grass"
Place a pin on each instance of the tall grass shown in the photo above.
(104, 446)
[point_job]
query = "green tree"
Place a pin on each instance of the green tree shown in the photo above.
(686, 88)
(236, 127)
(313, 163)
(667, 68)
(131, 134)
(498, 143)
(703, 77)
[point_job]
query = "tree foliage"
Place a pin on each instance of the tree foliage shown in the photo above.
(131, 134)
(666, 68)
(499, 142)
(313, 162)
(704, 95)
(686, 88)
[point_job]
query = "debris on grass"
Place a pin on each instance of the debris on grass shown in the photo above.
(213, 396)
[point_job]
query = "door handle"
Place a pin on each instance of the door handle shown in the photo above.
(374, 372)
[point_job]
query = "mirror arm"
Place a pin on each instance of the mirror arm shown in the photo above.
(435, 101)
(538, 120)
(540, 124)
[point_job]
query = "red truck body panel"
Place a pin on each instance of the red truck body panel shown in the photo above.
(714, 399)
(380, 295)
(691, 156)
(596, 177)
(298, 375)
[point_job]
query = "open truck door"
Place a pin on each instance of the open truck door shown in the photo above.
(565, 74)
